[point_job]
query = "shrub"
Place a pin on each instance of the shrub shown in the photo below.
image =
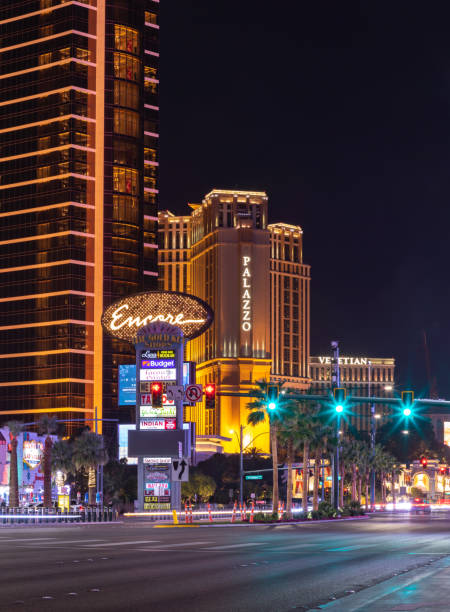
(326, 510)
(315, 515)
(354, 508)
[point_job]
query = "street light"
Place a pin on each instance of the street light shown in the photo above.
(241, 457)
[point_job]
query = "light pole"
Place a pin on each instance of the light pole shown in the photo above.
(336, 382)
(372, 440)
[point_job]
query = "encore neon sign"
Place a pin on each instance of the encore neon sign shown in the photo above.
(125, 317)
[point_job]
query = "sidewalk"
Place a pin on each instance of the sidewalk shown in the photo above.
(426, 589)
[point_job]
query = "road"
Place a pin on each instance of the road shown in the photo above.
(134, 566)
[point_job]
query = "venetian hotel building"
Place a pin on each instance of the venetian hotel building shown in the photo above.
(78, 190)
(253, 276)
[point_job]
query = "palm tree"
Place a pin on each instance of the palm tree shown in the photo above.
(293, 432)
(259, 413)
(324, 442)
(15, 429)
(47, 426)
(61, 458)
(88, 453)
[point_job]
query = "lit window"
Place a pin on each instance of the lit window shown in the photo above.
(126, 39)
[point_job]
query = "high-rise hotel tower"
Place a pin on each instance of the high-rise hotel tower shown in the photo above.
(78, 189)
(253, 276)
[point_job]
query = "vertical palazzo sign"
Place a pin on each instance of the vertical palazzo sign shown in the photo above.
(246, 299)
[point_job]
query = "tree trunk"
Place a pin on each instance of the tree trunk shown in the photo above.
(367, 490)
(305, 476)
(393, 489)
(273, 443)
(13, 475)
(359, 487)
(290, 459)
(316, 479)
(47, 469)
(341, 487)
(92, 473)
(383, 489)
(354, 481)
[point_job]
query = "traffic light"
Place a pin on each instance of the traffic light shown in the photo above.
(210, 396)
(339, 394)
(442, 470)
(156, 390)
(424, 462)
(272, 396)
(407, 401)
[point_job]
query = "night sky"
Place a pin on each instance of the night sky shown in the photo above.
(340, 111)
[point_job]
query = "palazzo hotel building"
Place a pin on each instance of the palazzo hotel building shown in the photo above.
(252, 275)
(78, 194)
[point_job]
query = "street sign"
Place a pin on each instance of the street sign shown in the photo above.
(253, 477)
(194, 393)
(180, 470)
(175, 392)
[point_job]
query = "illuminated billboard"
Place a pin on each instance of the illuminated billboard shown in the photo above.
(123, 443)
(127, 382)
(125, 317)
(127, 385)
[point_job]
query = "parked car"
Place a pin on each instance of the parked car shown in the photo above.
(419, 505)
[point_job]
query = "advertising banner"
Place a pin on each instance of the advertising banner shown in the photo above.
(159, 375)
(158, 424)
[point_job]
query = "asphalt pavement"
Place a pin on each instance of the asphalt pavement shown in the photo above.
(385, 562)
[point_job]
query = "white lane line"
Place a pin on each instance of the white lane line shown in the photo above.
(164, 546)
(122, 543)
(225, 547)
(18, 540)
(63, 542)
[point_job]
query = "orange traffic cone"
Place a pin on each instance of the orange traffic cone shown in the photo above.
(233, 516)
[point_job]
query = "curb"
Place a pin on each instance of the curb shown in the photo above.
(58, 525)
(278, 524)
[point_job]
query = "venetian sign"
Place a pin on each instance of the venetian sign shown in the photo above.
(125, 317)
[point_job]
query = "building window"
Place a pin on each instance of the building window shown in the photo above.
(126, 122)
(150, 17)
(126, 39)
(126, 94)
(126, 67)
(125, 209)
(125, 180)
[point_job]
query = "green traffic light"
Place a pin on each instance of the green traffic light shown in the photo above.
(339, 408)
(272, 406)
(407, 412)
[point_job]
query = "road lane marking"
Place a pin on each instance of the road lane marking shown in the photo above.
(122, 543)
(348, 548)
(26, 539)
(225, 547)
(164, 546)
(61, 542)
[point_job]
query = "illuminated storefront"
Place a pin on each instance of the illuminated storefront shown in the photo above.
(253, 277)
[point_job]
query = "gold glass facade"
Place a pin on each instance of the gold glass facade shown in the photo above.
(77, 217)
(225, 253)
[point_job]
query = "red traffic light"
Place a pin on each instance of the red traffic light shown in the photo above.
(210, 396)
(156, 389)
(424, 462)
(210, 390)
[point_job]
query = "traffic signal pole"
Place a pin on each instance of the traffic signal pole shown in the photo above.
(335, 383)
(372, 441)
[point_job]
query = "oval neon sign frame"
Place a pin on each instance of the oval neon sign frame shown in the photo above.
(123, 318)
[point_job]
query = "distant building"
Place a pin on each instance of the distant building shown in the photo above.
(253, 276)
(361, 376)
